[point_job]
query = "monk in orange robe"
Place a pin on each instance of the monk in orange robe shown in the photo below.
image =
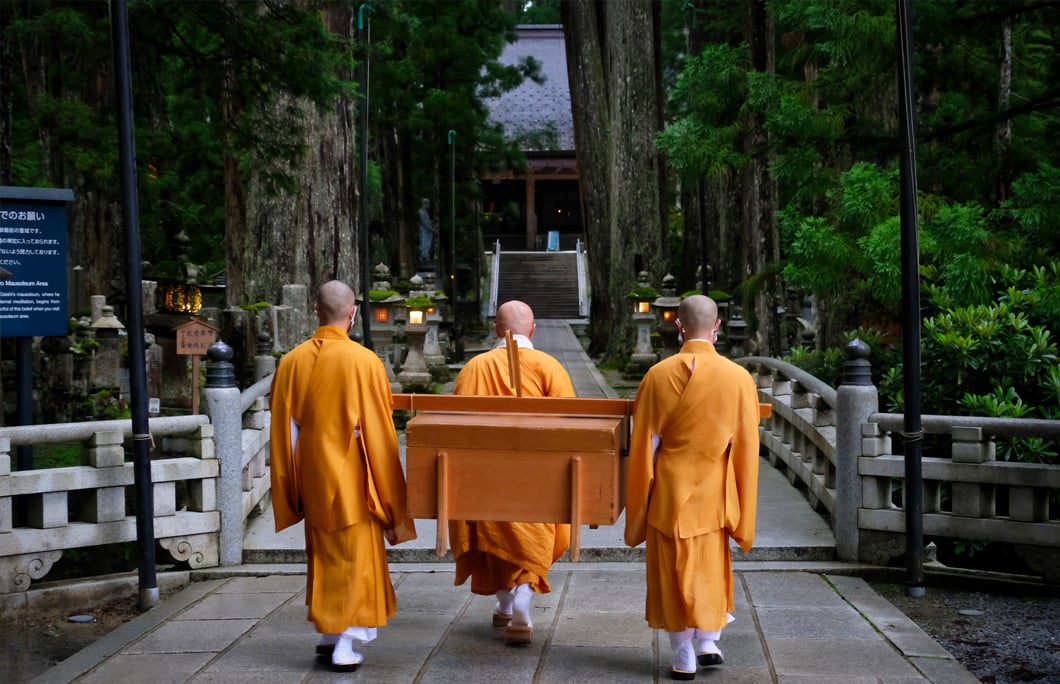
(510, 560)
(334, 462)
(692, 484)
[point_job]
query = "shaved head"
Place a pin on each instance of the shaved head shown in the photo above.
(336, 303)
(515, 316)
(699, 316)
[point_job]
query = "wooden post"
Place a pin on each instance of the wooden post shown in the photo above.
(442, 536)
(575, 508)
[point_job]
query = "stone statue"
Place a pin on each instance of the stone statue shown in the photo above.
(427, 232)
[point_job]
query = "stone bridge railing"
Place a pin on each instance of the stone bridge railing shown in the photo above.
(836, 444)
(208, 473)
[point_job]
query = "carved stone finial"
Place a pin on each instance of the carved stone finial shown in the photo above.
(856, 369)
(219, 370)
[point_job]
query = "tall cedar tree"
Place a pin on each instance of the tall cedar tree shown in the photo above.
(614, 67)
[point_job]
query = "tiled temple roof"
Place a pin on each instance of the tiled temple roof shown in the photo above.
(531, 106)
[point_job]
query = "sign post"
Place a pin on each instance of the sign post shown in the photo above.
(32, 283)
(194, 338)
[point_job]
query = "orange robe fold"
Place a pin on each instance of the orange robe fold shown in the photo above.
(499, 555)
(331, 429)
(698, 488)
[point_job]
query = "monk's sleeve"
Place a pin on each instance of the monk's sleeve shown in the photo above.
(640, 469)
(744, 461)
(381, 452)
(286, 500)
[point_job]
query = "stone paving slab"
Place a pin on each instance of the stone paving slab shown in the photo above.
(789, 627)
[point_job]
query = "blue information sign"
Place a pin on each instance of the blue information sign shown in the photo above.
(33, 262)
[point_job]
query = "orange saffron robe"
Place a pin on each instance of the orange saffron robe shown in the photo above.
(499, 555)
(332, 423)
(687, 497)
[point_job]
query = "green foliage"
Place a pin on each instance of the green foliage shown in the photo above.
(702, 140)
(380, 295)
(84, 346)
(819, 258)
(56, 455)
(433, 65)
(102, 405)
(539, 12)
(643, 293)
(1033, 209)
(211, 80)
(418, 302)
(824, 364)
(255, 307)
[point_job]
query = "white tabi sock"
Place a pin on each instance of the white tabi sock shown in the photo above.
(705, 639)
(505, 599)
(344, 653)
(521, 605)
(328, 640)
(682, 653)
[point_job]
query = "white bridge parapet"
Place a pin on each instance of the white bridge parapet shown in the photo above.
(44, 512)
(859, 482)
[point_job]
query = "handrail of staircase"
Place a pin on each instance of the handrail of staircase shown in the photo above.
(583, 299)
(491, 309)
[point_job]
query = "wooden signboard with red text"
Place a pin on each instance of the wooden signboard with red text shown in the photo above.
(194, 338)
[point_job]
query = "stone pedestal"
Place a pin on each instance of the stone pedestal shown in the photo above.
(643, 356)
(414, 375)
(384, 349)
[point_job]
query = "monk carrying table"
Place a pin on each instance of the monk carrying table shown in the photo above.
(464, 455)
(517, 459)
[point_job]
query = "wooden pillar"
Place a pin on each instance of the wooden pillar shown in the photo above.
(531, 213)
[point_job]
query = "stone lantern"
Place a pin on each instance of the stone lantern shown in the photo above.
(644, 321)
(666, 305)
(440, 316)
(737, 333)
(385, 303)
(432, 351)
(106, 362)
(414, 375)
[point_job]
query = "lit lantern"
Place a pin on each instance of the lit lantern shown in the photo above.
(179, 298)
(381, 314)
(416, 316)
(642, 295)
(666, 304)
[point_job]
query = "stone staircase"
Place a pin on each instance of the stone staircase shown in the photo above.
(547, 281)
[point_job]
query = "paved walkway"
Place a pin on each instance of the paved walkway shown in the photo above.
(801, 617)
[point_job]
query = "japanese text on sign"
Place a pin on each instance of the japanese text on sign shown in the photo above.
(195, 338)
(33, 262)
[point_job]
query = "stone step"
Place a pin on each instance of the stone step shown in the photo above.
(547, 281)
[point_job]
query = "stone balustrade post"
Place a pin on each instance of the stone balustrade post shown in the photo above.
(223, 406)
(264, 361)
(856, 399)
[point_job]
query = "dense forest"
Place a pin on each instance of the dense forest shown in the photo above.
(757, 137)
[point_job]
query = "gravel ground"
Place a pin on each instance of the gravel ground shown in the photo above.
(1001, 638)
